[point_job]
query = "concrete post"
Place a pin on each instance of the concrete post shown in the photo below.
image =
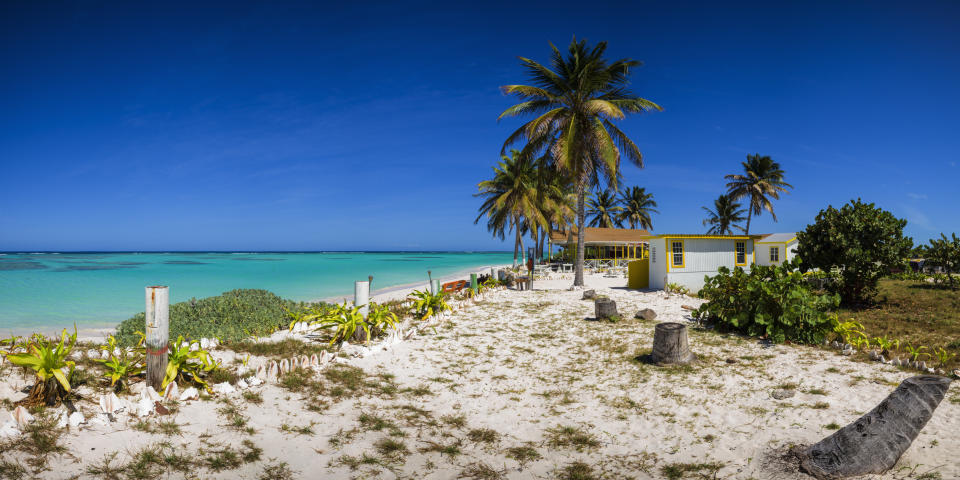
(473, 282)
(361, 296)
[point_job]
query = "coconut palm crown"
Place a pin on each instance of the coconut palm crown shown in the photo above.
(724, 217)
(575, 102)
(762, 180)
(637, 205)
(603, 210)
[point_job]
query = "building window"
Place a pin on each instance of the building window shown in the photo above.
(774, 254)
(741, 249)
(676, 247)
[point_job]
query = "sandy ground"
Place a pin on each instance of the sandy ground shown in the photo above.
(520, 385)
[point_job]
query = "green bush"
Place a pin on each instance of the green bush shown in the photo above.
(862, 242)
(232, 316)
(770, 301)
(944, 252)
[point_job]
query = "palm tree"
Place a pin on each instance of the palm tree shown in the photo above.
(637, 207)
(511, 200)
(724, 216)
(575, 101)
(603, 209)
(762, 178)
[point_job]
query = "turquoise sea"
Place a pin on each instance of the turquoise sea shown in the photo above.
(49, 291)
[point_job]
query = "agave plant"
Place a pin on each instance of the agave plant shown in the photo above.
(122, 364)
(348, 323)
(886, 345)
(186, 364)
(428, 304)
(380, 317)
(848, 331)
(49, 360)
(943, 356)
(917, 353)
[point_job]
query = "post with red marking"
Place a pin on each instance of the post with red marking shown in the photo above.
(158, 334)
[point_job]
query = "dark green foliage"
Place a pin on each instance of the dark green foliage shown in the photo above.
(860, 240)
(232, 316)
(944, 252)
(771, 301)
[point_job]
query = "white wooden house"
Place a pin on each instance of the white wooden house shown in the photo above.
(776, 248)
(687, 259)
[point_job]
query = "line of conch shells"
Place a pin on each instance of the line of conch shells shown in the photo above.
(272, 370)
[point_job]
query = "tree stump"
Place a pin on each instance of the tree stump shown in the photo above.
(604, 308)
(875, 442)
(670, 344)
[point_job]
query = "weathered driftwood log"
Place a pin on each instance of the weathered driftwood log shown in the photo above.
(605, 308)
(876, 440)
(670, 344)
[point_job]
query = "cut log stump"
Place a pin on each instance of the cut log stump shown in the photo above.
(605, 308)
(875, 442)
(670, 344)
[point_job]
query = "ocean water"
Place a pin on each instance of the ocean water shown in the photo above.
(49, 291)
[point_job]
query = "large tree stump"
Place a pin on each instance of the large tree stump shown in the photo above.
(605, 308)
(874, 443)
(670, 344)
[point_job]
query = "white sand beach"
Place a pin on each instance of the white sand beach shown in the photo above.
(522, 384)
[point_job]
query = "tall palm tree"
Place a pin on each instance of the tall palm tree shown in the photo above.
(511, 199)
(603, 209)
(575, 102)
(637, 206)
(762, 178)
(724, 217)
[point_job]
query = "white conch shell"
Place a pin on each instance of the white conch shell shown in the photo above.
(205, 343)
(21, 416)
(272, 371)
(254, 381)
(314, 360)
(64, 419)
(324, 357)
(224, 388)
(242, 384)
(304, 361)
(76, 418)
(261, 372)
(284, 366)
(104, 354)
(9, 429)
(92, 353)
(294, 363)
(150, 394)
(189, 394)
(145, 407)
(172, 392)
(109, 404)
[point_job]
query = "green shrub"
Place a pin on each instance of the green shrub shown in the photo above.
(232, 316)
(944, 252)
(862, 242)
(770, 301)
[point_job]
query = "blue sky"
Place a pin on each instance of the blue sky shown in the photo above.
(280, 126)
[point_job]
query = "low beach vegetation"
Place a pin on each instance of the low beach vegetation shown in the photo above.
(188, 363)
(944, 253)
(122, 364)
(774, 302)
(232, 316)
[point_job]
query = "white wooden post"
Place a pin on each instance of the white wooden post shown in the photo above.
(157, 315)
(361, 297)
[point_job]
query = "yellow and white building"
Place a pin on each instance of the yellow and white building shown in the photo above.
(776, 248)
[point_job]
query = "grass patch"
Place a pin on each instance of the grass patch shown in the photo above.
(677, 471)
(483, 435)
(276, 471)
(568, 436)
(480, 471)
(285, 348)
(523, 454)
(577, 471)
(390, 447)
(915, 314)
(832, 426)
(253, 397)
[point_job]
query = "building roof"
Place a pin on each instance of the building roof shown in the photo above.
(779, 238)
(696, 235)
(604, 236)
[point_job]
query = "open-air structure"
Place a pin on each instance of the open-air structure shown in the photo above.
(605, 247)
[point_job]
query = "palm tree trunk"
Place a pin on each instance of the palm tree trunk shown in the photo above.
(581, 219)
(749, 214)
(516, 244)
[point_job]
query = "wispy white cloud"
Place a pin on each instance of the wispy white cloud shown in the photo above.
(918, 218)
(917, 196)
